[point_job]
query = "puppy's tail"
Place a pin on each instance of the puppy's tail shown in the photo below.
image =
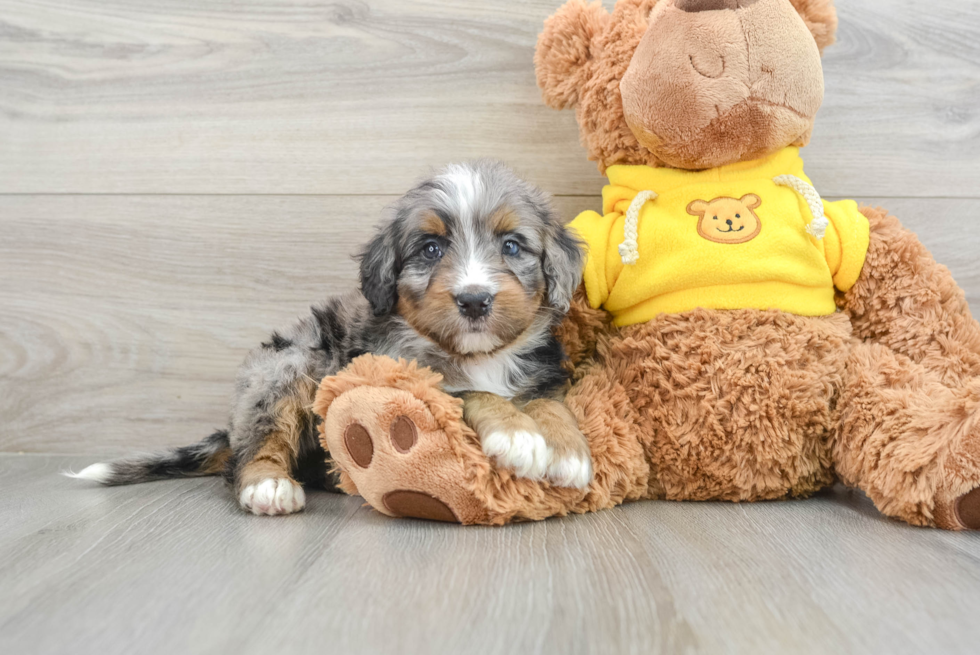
(207, 457)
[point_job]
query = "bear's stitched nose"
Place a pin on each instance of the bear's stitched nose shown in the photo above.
(694, 6)
(729, 221)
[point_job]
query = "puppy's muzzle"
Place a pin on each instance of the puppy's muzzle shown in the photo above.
(474, 305)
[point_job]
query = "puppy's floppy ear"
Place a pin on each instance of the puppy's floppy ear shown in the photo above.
(565, 49)
(820, 17)
(563, 260)
(379, 271)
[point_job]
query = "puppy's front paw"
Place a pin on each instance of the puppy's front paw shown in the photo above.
(523, 451)
(571, 469)
(273, 496)
(530, 456)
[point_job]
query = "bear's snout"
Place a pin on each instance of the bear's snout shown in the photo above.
(695, 98)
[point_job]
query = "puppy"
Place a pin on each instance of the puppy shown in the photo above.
(468, 276)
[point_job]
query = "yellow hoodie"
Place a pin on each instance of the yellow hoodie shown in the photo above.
(741, 236)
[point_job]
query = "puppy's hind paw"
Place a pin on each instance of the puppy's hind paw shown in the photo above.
(272, 497)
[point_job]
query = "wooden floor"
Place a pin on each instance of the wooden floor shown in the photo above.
(178, 177)
(175, 567)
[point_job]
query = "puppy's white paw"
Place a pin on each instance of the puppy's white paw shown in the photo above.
(570, 469)
(529, 456)
(273, 496)
(526, 453)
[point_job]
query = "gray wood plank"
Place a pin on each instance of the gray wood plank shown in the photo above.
(176, 567)
(258, 96)
(125, 318)
(903, 88)
(265, 97)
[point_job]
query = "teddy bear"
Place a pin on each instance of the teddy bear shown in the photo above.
(737, 338)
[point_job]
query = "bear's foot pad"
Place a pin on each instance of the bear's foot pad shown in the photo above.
(399, 458)
(417, 505)
(968, 510)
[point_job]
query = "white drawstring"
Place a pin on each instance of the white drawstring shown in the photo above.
(818, 226)
(628, 249)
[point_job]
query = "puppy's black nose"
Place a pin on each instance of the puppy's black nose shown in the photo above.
(474, 305)
(729, 221)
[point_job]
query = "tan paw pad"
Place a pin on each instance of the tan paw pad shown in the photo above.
(403, 434)
(968, 510)
(418, 505)
(359, 444)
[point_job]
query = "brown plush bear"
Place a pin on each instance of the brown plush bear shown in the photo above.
(737, 338)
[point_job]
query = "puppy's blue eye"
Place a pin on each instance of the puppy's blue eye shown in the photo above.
(511, 248)
(432, 250)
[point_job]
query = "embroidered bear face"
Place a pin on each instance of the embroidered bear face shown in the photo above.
(727, 220)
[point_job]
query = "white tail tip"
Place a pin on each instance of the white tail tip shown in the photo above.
(100, 473)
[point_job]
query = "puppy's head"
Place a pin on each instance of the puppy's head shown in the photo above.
(472, 258)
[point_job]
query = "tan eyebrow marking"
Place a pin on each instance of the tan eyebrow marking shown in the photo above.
(432, 224)
(504, 220)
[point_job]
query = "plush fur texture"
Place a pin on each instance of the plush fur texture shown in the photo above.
(735, 405)
(820, 17)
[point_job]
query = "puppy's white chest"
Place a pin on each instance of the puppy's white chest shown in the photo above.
(500, 375)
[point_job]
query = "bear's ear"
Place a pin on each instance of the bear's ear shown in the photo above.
(820, 17)
(697, 208)
(565, 50)
(751, 201)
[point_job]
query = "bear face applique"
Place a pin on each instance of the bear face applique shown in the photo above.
(727, 220)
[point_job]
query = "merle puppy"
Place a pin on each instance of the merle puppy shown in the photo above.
(468, 276)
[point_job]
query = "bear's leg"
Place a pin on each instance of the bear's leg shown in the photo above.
(606, 415)
(907, 301)
(908, 440)
(400, 442)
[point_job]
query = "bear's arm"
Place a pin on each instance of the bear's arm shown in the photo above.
(846, 242)
(595, 231)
